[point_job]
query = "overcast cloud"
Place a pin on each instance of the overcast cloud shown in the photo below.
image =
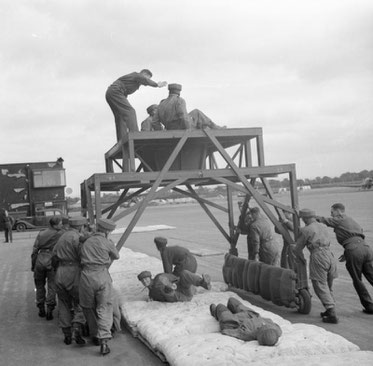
(301, 70)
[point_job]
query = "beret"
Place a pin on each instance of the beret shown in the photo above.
(160, 242)
(143, 274)
(151, 107)
(106, 224)
(77, 220)
(307, 213)
(174, 87)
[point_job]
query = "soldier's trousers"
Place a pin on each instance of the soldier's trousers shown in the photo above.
(45, 287)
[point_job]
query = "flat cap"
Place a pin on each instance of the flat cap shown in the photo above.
(143, 274)
(160, 242)
(77, 220)
(151, 107)
(176, 87)
(106, 224)
(307, 213)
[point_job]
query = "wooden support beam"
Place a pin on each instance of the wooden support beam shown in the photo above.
(152, 191)
(209, 213)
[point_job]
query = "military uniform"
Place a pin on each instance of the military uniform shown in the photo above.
(44, 273)
(261, 240)
(95, 288)
(162, 287)
(322, 266)
(179, 257)
(116, 97)
(239, 321)
(67, 254)
(358, 254)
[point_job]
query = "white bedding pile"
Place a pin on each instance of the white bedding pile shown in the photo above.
(187, 335)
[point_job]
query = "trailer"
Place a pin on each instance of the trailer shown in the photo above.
(32, 192)
(147, 165)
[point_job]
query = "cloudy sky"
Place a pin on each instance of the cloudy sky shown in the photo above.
(301, 70)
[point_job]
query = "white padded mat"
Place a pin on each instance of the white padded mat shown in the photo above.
(187, 335)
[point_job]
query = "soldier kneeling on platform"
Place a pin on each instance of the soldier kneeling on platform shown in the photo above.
(166, 287)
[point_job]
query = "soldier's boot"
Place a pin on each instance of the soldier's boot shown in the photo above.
(330, 316)
(206, 282)
(104, 350)
(41, 310)
(49, 315)
(77, 336)
(68, 335)
(213, 310)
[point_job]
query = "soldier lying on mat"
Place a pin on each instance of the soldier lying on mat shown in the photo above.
(238, 321)
(166, 287)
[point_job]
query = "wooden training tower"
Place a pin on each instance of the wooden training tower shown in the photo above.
(153, 163)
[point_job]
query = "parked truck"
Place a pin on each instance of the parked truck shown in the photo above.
(33, 192)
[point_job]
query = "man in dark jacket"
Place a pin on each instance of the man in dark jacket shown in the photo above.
(41, 265)
(116, 97)
(166, 287)
(357, 253)
(175, 258)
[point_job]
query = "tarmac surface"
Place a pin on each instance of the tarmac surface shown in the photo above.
(27, 339)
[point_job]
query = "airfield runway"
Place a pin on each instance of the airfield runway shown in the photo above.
(27, 339)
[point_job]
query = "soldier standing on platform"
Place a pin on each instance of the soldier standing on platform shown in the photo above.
(66, 255)
(175, 258)
(95, 287)
(41, 265)
(116, 97)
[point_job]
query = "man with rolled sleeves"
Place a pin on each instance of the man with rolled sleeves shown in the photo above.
(117, 94)
(148, 124)
(175, 258)
(95, 287)
(357, 253)
(41, 265)
(261, 243)
(172, 113)
(66, 256)
(322, 266)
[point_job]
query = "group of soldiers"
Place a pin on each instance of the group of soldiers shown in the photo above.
(358, 254)
(170, 114)
(70, 262)
(178, 283)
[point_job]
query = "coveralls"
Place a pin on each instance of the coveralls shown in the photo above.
(261, 240)
(116, 97)
(323, 266)
(67, 253)
(179, 257)
(41, 264)
(161, 287)
(358, 254)
(95, 287)
(238, 321)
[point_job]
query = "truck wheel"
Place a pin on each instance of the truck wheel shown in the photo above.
(21, 226)
(304, 301)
